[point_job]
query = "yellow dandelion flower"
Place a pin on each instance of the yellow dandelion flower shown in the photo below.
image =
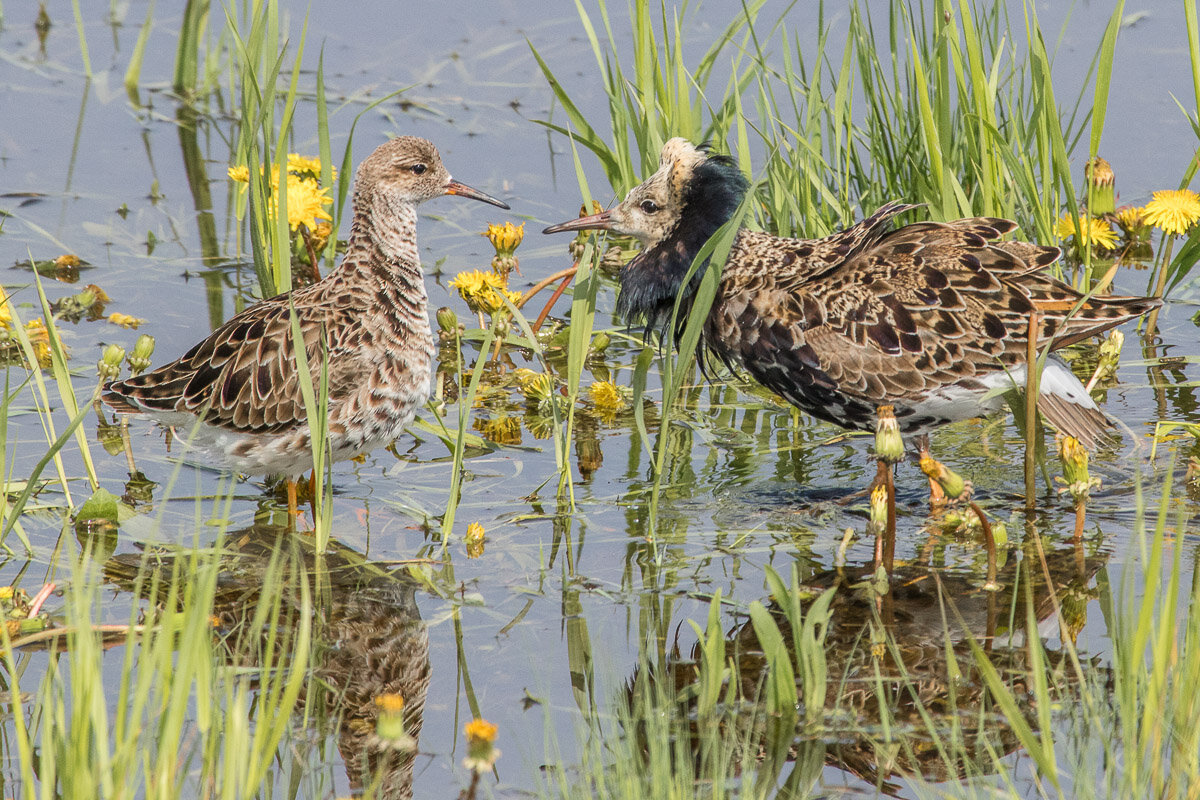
(475, 537)
(39, 337)
(1131, 217)
(389, 724)
(240, 173)
(389, 703)
(124, 320)
(537, 386)
(606, 396)
(481, 750)
(480, 730)
(505, 238)
(481, 290)
(1095, 231)
(501, 430)
(1173, 211)
(306, 201)
(299, 165)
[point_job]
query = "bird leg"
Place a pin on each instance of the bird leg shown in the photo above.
(127, 443)
(312, 495)
(293, 512)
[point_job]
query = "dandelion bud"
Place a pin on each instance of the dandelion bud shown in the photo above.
(879, 506)
(1078, 480)
(139, 359)
(952, 484)
(1101, 182)
(109, 365)
(481, 749)
(1110, 356)
(600, 342)
(447, 320)
(889, 446)
(85, 298)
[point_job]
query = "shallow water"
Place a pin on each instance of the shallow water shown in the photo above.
(750, 484)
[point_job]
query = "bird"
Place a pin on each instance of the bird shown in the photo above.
(931, 318)
(366, 323)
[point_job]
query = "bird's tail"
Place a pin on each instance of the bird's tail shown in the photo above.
(1066, 405)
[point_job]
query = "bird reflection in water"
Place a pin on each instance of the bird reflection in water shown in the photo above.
(369, 642)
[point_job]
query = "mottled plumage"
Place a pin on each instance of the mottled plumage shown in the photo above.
(367, 321)
(930, 317)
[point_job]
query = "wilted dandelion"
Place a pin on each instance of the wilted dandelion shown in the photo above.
(505, 238)
(1101, 180)
(1109, 358)
(950, 481)
(125, 320)
(1173, 211)
(879, 505)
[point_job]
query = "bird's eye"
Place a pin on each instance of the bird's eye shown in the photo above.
(649, 206)
(418, 169)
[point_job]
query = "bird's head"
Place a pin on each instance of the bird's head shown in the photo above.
(408, 170)
(672, 213)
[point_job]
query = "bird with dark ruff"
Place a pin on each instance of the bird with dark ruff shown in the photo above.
(930, 317)
(237, 392)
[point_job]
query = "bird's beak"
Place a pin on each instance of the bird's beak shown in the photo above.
(462, 190)
(594, 222)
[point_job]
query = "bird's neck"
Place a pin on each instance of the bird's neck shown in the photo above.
(383, 239)
(653, 279)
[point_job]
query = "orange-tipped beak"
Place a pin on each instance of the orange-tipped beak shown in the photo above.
(594, 222)
(462, 190)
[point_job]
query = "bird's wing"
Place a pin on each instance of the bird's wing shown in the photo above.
(243, 376)
(881, 315)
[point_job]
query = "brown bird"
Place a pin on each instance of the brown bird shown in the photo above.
(237, 392)
(931, 318)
